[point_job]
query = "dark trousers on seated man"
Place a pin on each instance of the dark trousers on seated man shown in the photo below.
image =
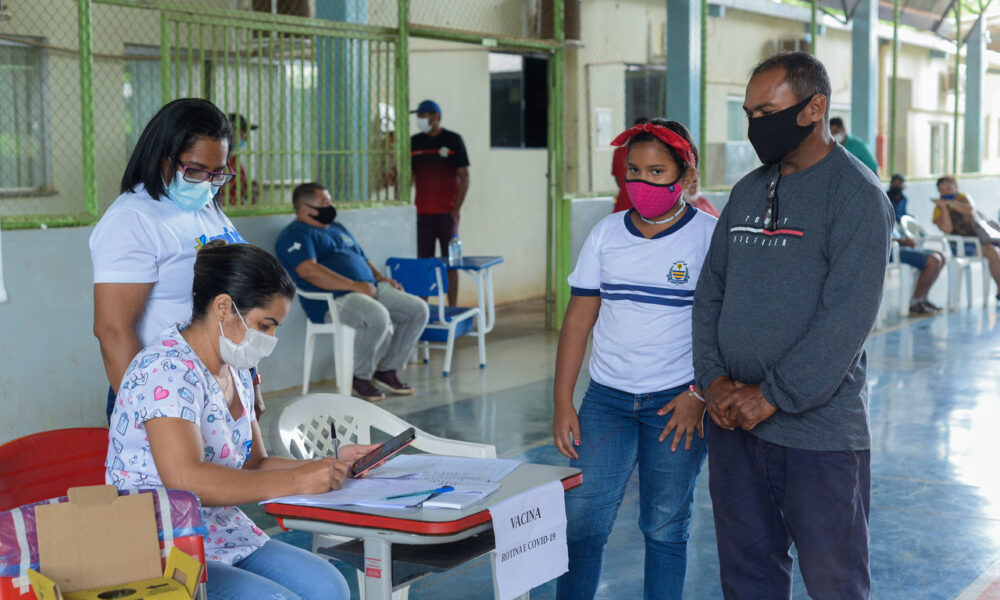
(387, 328)
(765, 496)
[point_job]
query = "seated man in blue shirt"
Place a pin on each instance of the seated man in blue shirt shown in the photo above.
(928, 262)
(323, 256)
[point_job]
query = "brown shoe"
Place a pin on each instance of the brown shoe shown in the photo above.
(366, 390)
(390, 381)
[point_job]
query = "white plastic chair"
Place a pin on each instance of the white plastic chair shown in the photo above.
(959, 262)
(897, 277)
(343, 344)
(302, 430)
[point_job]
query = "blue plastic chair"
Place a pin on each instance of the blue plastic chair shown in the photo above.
(427, 277)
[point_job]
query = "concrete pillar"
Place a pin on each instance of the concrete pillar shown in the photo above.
(864, 71)
(975, 72)
(684, 64)
(342, 104)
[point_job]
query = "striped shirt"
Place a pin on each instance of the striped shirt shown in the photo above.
(642, 338)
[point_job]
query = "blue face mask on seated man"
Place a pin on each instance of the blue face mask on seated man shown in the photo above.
(190, 196)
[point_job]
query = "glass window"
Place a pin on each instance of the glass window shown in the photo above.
(24, 119)
(645, 92)
(736, 120)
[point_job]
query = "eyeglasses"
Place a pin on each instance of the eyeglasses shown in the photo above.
(196, 175)
(771, 217)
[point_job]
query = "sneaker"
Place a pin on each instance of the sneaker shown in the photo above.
(920, 309)
(366, 390)
(390, 381)
(933, 307)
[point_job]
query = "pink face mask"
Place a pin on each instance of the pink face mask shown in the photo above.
(652, 200)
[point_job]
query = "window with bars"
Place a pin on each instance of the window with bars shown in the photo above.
(24, 120)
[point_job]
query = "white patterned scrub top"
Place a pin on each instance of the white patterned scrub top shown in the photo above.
(167, 379)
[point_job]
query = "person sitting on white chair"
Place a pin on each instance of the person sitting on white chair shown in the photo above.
(955, 214)
(928, 262)
(323, 256)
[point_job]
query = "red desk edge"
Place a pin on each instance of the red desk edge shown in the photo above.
(332, 515)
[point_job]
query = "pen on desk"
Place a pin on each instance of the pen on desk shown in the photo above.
(334, 440)
(439, 490)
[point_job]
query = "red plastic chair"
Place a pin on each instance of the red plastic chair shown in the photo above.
(44, 465)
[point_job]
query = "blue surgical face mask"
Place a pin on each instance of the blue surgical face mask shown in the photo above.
(243, 144)
(190, 196)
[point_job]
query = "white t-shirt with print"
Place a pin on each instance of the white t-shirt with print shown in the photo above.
(642, 338)
(143, 240)
(167, 379)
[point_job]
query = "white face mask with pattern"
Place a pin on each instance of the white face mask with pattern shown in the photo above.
(256, 345)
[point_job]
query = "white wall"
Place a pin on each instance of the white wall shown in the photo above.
(505, 210)
(51, 373)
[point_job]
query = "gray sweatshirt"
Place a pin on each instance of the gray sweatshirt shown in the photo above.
(791, 308)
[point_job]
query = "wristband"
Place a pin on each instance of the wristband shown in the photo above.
(694, 393)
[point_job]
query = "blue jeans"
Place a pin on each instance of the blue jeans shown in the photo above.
(618, 431)
(277, 571)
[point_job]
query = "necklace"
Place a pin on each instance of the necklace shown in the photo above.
(225, 388)
(680, 209)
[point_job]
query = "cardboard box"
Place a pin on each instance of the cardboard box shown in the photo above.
(100, 546)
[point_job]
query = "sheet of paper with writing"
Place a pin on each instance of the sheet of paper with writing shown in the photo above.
(530, 532)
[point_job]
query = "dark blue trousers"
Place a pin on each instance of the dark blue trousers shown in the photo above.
(766, 497)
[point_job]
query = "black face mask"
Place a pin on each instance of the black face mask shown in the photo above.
(774, 136)
(324, 214)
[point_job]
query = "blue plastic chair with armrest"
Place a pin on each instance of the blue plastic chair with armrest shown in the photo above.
(427, 277)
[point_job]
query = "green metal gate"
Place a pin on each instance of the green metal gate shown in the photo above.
(321, 101)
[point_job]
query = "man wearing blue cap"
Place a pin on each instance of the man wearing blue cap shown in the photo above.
(441, 175)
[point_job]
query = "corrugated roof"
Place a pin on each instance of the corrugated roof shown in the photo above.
(935, 16)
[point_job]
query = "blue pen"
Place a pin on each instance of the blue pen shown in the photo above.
(440, 490)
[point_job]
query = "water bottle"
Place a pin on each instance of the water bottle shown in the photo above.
(454, 251)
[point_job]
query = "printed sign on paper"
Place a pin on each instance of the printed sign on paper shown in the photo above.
(530, 532)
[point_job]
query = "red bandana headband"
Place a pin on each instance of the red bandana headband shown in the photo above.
(664, 134)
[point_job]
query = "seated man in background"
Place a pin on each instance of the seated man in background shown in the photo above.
(928, 262)
(323, 256)
(955, 214)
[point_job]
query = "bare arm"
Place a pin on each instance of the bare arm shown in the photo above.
(463, 188)
(581, 314)
(117, 310)
(943, 219)
(178, 453)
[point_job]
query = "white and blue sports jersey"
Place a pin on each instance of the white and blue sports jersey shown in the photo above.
(642, 339)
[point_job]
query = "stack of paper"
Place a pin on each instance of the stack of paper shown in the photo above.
(472, 479)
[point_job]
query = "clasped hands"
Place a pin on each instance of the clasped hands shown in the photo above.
(733, 404)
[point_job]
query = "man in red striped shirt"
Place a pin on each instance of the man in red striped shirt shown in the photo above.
(441, 176)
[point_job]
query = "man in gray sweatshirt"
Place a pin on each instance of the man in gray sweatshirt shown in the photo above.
(789, 292)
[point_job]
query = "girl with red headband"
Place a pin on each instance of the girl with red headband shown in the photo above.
(633, 287)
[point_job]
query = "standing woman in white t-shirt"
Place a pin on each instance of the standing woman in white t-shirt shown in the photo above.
(143, 248)
(633, 286)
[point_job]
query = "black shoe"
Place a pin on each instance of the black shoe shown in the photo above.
(366, 390)
(931, 306)
(920, 309)
(390, 381)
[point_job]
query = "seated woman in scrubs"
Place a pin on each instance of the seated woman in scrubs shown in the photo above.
(184, 418)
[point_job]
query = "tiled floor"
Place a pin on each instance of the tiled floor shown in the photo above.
(935, 412)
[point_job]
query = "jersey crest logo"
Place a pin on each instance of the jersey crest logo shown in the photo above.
(678, 274)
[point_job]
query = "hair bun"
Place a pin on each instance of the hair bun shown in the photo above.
(216, 243)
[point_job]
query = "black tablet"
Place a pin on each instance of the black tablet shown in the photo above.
(382, 453)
